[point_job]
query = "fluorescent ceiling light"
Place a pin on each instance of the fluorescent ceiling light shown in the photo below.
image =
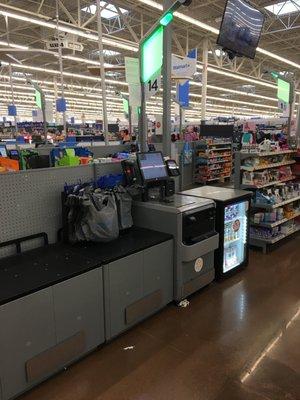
(13, 45)
(109, 53)
(109, 11)
(69, 29)
(284, 7)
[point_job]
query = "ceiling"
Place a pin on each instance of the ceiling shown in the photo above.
(240, 87)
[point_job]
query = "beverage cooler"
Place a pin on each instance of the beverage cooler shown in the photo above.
(232, 224)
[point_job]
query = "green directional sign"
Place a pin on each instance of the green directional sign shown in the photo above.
(38, 99)
(152, 54)
(126, 106)
(284, 90)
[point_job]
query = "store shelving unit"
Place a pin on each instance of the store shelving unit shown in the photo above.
(213, 160)
(286, 225)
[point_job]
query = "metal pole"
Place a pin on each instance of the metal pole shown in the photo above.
(143, 121)
(55, 98)
(130, 119)
(180, 120)
(167, 84)
(204, 81)
(44, 115)
(60, 65)
(10, 73)
(102, 72)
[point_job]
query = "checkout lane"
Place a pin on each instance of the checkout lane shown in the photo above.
(219, 225)
(86, 295)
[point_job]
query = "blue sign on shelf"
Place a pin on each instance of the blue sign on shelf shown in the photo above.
(61, 105)
(72, 120)
(12, 110)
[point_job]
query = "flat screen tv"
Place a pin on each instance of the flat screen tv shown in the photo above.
(240, 29)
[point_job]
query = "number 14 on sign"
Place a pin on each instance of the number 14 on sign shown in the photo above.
(152, 86)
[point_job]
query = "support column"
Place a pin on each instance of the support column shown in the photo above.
(167, 84)
(204, 81)
(102, 73)
(61, 69)
(55, 98)
(10, 73)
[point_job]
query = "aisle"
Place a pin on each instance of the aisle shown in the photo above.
(245, 329)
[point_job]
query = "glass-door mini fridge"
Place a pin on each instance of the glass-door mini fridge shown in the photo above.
(232, 224)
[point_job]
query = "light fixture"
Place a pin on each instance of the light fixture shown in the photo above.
(64, 28)
(166, 19)
(13, 45)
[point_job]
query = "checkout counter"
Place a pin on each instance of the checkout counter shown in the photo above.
(191, 221)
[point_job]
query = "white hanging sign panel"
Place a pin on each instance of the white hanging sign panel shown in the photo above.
(65, 44)
(153, 86)
(132, 70)
(183, 67)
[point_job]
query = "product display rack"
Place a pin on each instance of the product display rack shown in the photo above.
(213, 160)
(276, 204)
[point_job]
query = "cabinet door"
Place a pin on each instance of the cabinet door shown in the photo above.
(158, 271)
(123, 286)
(26, 330)
(78, 308)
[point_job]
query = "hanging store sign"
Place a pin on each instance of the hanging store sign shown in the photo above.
(65, 44)
(12, 110)
(132, 72)
(184, 68)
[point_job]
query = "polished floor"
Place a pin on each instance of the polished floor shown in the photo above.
(237, 340)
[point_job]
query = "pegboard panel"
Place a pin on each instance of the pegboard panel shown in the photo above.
(31, 201)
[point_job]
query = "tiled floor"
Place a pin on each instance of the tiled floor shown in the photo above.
(238, 340)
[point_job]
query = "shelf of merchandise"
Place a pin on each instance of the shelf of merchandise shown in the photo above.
(290, 178)
(229, 242)
(276, 223)
(258, 241)
(205, 171)
(266, 153)
(218, 162)
(273, 206)
(270, 166)
(264, 242)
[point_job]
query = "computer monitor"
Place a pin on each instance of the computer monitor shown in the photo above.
(152, 166)
(3, 151)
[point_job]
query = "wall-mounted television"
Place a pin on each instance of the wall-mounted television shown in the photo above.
(241, 29)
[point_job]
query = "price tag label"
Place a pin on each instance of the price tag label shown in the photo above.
(152, 86)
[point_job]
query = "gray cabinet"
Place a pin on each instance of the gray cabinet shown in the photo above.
(123, 283)
(158, 270)
(78, 308)
(26, 329)
(136, 286)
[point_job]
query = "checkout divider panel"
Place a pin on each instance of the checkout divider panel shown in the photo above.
(31, 200)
